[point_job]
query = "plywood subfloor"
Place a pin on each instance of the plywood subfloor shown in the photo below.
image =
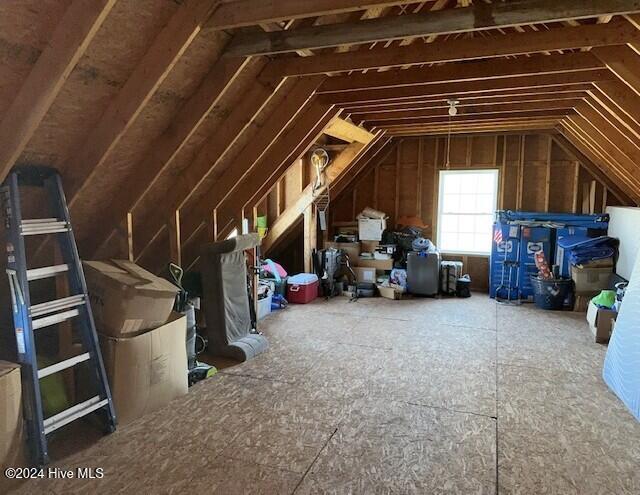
(420, 396)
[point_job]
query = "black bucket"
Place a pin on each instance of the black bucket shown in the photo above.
(551, 294)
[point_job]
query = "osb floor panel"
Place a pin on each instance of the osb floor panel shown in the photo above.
(419, 396)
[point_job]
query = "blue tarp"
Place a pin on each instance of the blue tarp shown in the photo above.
(600, 221)
(583, 249)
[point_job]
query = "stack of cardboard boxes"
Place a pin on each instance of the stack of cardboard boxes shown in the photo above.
(142, 340)
(366, 265)
(589, 279)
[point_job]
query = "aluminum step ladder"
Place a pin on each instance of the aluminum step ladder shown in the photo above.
(29, 319)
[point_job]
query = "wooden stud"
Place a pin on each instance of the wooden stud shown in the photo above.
(175, 243)
(346, 131)
(576, 186)
(130, 254)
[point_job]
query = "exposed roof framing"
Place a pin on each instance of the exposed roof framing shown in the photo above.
(478, 17)
(167, 113)
(68, 43)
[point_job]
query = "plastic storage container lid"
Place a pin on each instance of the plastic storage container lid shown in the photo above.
(302, 279)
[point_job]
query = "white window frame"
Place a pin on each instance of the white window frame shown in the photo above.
(488, 170)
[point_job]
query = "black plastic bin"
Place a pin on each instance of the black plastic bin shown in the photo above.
(551, 294)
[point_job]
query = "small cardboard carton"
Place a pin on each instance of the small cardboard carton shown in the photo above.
(600, 321)
(370, 229)
(367, 275)
(590, 279)
(126, 299)
(146, 371)
(390, 292)
(12, 438)
(351, 248)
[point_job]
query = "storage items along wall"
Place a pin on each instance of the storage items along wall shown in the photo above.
(535, 174)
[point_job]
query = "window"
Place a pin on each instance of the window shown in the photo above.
(466, 205)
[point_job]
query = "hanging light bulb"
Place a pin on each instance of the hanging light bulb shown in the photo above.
(453, 107)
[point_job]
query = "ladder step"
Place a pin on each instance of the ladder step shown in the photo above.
(49, 307)
(75, 412)
(63, 365)
(46, 272)
(43, 226)
(47, 321)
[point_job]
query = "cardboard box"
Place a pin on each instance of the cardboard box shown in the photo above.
(370, 229)
(589, 279)
(365, 274)
(368, 246)
(600, 322)
(351, 248)
(390, 292)
(126, 299)
(12, 437)
(373, 263)
(146, 371)
(581, 302)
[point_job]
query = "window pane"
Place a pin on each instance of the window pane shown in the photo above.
(467, 204)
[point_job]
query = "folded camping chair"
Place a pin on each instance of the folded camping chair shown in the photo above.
(226, 303)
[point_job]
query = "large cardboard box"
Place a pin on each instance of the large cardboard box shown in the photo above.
(148, 370)
(367, 275)
(373, 263)
(126, 299)
(351, 248)
(12, 437)
(370, 229)
(600, 322)
(591, 278)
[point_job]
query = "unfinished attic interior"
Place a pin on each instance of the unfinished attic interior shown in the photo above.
(320, 246)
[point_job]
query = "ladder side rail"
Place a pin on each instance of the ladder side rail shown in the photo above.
(16, 260)
(77, 285)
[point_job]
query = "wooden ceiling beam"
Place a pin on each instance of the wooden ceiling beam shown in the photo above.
(624, 62)
(380, 151)
(626, 167)
(423, 104)
(442, 111)
(445, 128)
(196, 179)
(388, 124)
(143, 178)
(72, 35)
(486, 131)
(477, 87)
(594, 169)
(612, 111)
(480, 16)
(453, 50)
(226, 133)
(240, 13)
(295, 141)
(626, 142)
(461, 72)
(625, 99)
(165, 51)
(339, 165)
(604, 157)
(524, 94)
(346, 131)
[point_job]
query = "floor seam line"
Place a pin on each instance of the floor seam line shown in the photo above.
(315, 459)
